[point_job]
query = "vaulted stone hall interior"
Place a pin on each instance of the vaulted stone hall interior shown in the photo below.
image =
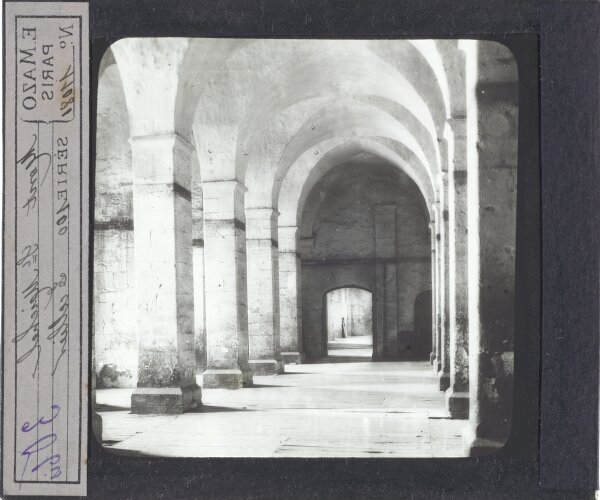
(304, 247)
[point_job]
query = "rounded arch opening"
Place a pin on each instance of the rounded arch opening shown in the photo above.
(364, 224)
(348, 321)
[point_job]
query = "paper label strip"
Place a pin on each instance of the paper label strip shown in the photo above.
(45, 319)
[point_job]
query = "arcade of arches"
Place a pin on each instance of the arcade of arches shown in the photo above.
(251, 194)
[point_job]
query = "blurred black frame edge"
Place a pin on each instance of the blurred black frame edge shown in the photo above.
(554, 443)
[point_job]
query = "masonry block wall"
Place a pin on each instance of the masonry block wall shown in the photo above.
(343, 252)
(116, 343)
(317, 280)
(114, 294)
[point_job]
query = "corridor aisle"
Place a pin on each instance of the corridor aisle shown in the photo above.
(328, 408)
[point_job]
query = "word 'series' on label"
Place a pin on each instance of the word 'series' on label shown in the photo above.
(46, 178)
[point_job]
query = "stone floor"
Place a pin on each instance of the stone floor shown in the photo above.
(344, 405)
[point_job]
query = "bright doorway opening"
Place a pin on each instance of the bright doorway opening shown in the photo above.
(349, 322)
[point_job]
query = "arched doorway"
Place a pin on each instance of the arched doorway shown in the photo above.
(348, 322)
(365, 225)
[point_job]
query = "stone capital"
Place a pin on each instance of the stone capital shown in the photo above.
(261, 214)
(261, 224)
(288, 239)
(223, 188)
(162, 159)
(224, 200)
(305, 245)
(166, 140)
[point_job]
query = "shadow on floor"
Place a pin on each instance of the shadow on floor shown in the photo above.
(215, 409)
(267, 386)
(102, 408)
(337, 359)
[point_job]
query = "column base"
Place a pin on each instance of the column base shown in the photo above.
(457, 404)
(437, 366)
(97, 426)
(474, 446)
(291, 358)
(227, 379)
(165, 400)
(431, 358)
(266, 366)
(443, 380)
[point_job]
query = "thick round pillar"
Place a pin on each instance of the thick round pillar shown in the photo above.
(457, 395)
(263, 291)
(163, 275)
(225, 286)
(290, 298)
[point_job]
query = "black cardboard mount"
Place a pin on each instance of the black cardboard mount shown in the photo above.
(554, 444)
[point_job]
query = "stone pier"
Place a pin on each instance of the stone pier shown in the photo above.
(444, 372)
(433, 355)
(290, 299)
(163, 272)
(385, 339)
(225, 286)
(492, 119)
(457, 395)
(263, 291)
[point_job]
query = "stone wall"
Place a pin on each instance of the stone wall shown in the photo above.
(421, 346)
(317, 280)
(116, 346)
(338, 230)
(114, 305)
(414, 277)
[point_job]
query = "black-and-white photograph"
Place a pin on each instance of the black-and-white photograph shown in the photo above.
(304, 248)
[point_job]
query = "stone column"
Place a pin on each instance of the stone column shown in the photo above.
(96, 418)
(492, 127)
(225, 286)
(198, 265)
(457, 395)
(263, 291)
(305, 247)
(439, 287)
(163, 275)
(444, 373)
(433, 355)
(386, 292)
(290, 296)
